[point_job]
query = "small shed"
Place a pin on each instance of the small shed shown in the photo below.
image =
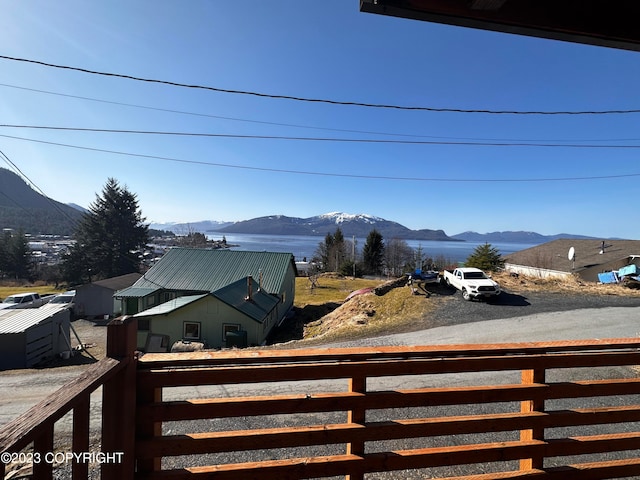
(32, 335)
(95, 299)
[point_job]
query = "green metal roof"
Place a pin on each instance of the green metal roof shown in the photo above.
(193, 269)
(257, 306)
(170, 306)
(135, 292)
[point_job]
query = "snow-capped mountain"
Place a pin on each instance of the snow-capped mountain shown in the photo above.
(358, 225)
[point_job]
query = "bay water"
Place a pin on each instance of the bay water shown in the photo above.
(303, 247)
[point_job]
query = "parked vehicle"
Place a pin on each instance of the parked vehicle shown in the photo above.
(24, 300)
(65, 300)
(472, 282)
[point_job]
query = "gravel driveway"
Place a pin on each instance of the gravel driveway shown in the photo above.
(454, 310)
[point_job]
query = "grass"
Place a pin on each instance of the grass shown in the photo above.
(329, 289)
(11, 288)
(572, 285)
(323, 313)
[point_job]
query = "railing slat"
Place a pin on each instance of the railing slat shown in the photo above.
(80, 442)
(21, 431)
(239, 357)
(43, 444)
(240, 440)
(195, 409)
(179, 377)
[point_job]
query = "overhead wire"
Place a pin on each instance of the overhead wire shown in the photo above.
(327, 174)
(319, 139)
(36, 187)
(297, 125)
(317, 100)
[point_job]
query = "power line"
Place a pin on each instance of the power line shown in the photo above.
(295, 125)
(329, 174)
(49, 200)
(320, 139)
(317, 100)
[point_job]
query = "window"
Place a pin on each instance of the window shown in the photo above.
(191, 331)
(144, 324)
(229, 327)
(167, 296)
(151, 300)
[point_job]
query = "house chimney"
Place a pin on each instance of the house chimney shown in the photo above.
(260, 280)
(249, 296)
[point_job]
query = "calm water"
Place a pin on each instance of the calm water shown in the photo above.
(302, 246)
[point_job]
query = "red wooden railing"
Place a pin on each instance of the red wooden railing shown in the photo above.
(534, 410)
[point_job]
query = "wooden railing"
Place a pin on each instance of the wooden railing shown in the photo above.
(557, 410)
(501, 411)
(33, 433)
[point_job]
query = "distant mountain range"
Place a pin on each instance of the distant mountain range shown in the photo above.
(22, 208)
(514, 237)
(358, 225)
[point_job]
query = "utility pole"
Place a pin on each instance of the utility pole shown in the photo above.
(353, 255)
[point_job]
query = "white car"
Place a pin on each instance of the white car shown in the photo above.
(66, 299)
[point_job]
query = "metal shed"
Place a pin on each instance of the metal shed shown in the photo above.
(95, 300)
(30, 336)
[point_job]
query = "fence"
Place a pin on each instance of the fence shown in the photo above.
(535, 410)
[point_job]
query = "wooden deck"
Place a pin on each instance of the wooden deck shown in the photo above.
(533, 410)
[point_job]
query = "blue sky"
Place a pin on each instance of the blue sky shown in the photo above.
(319, 50)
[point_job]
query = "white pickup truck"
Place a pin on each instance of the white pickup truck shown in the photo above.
(472, 282)
(24, 300)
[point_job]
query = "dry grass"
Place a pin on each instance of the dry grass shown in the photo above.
(11, 288)
(324, 315)
(572, 285)
(327, 316)
(329, 288)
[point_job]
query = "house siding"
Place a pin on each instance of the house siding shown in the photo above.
(212, 314)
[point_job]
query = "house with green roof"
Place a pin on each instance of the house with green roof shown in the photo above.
(207, 295)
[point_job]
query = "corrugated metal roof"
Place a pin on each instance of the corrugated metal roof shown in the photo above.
(116, 283)
(192, 269)
(18, 321)
(258, 307)
(170, 306)
(136, 292)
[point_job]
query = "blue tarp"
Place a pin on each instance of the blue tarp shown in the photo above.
(628, 270)
(608, 277)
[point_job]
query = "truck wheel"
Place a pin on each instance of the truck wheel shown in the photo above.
(465, 294)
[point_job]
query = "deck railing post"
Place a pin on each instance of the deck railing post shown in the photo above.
(536, 405)
(80, 442)
(119, 402)
(358, 385)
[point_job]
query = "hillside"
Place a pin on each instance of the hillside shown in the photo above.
(531, 238)
(22, 208)
(351, 225)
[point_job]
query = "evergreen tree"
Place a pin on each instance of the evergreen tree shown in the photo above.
(332, 252)
(373, 253)
(107, 237)
(485, 257)
(14, 255)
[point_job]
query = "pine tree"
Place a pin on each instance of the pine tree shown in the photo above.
(373, 253)
(14, 255)
(107, 237)
(485, 257)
